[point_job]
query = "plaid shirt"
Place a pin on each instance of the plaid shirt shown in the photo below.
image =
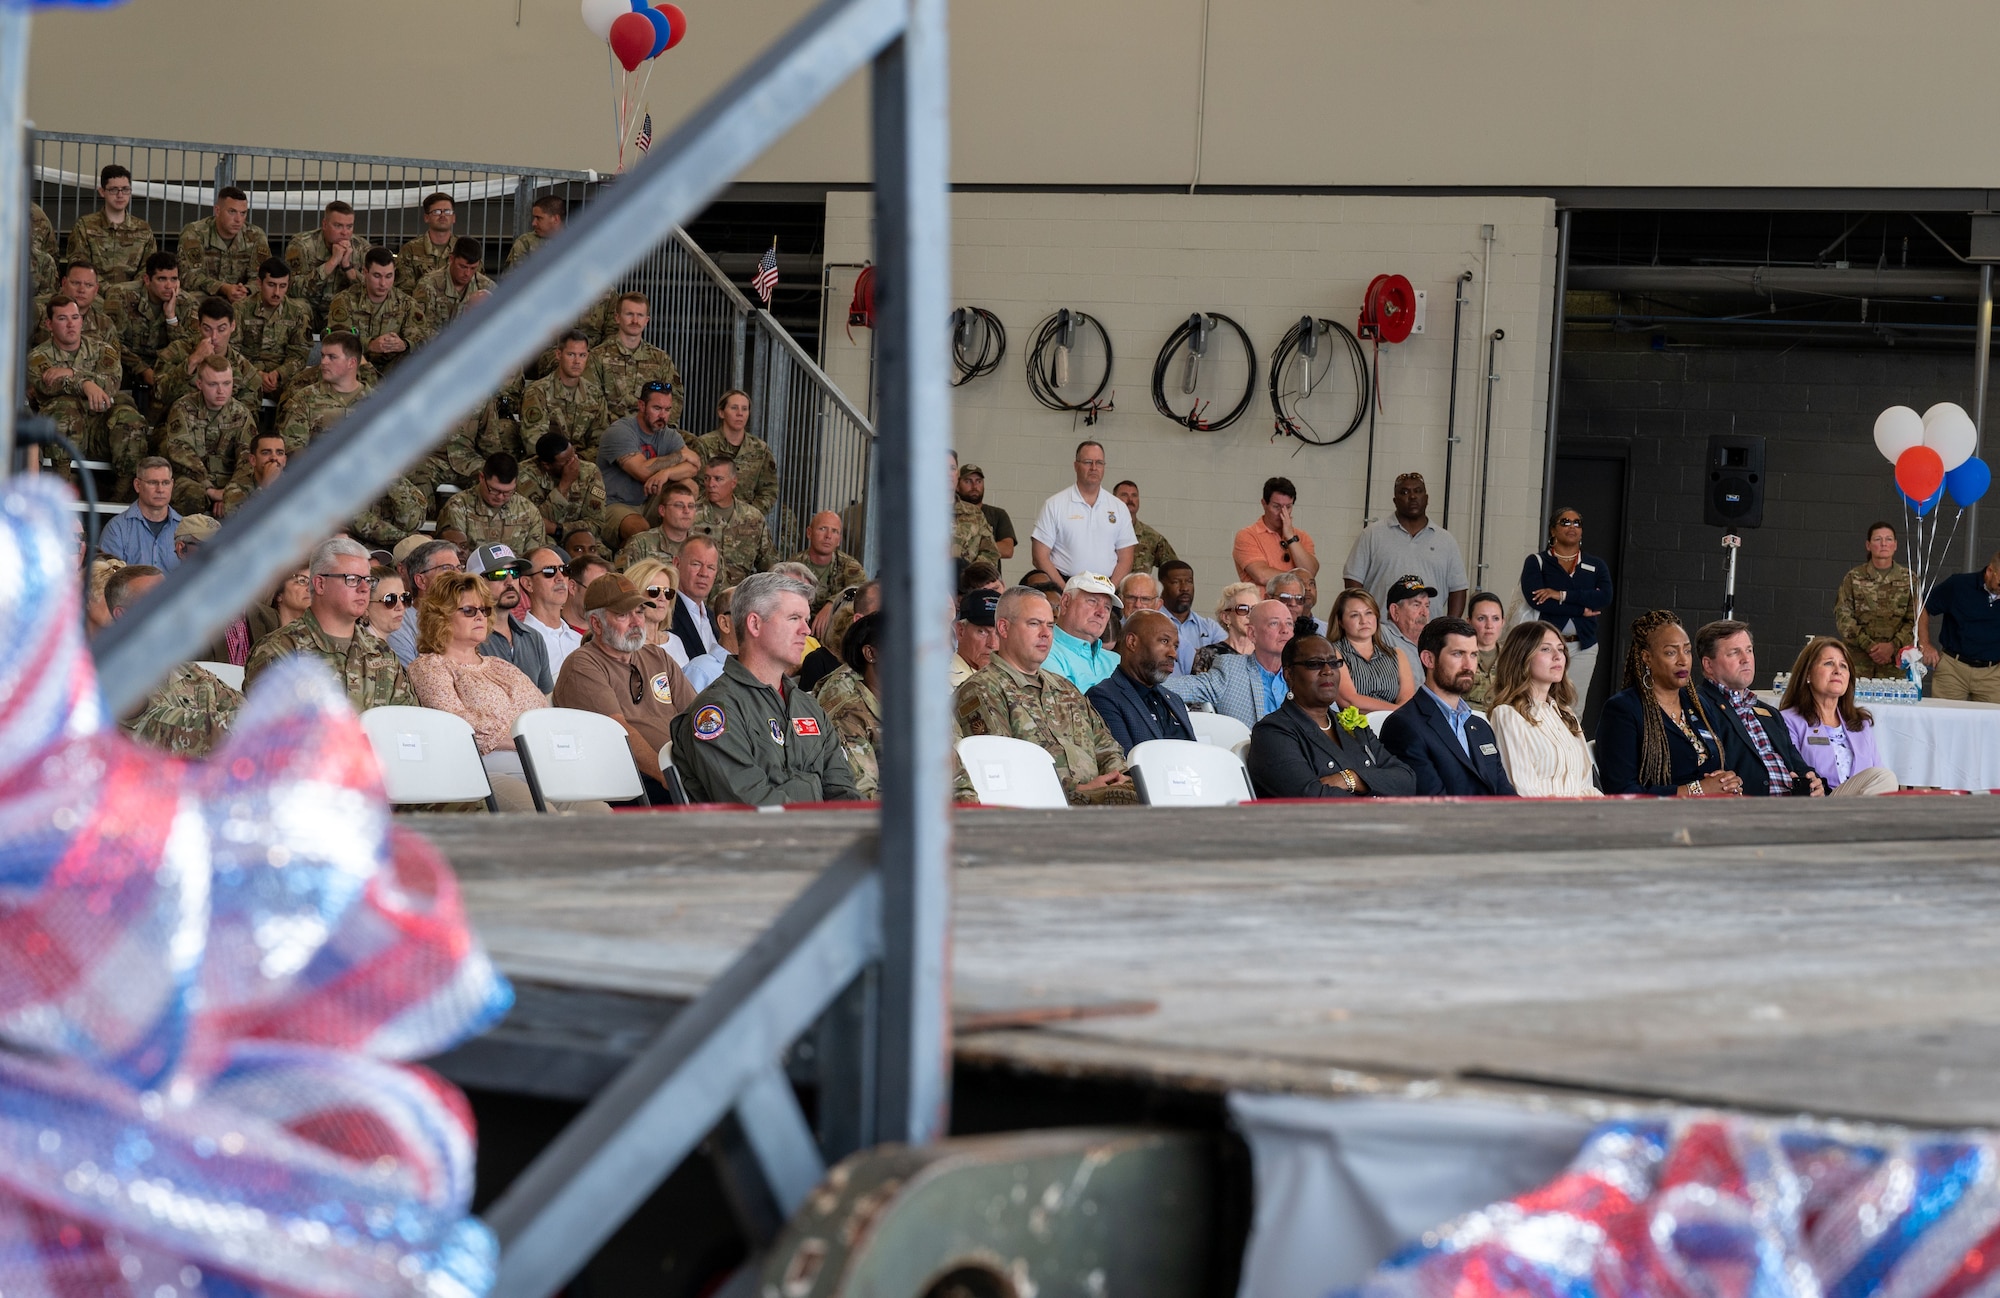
(1743, 701)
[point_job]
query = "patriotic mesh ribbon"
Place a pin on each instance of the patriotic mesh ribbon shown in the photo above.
(208, 972)
(1708, 1206)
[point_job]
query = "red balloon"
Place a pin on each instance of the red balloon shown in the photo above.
(631, 39)
(1919, 472)
(677, 20)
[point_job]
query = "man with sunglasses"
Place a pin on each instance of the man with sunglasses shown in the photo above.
(335, 631)
(419, 567)
(504, 639)
(546, 584)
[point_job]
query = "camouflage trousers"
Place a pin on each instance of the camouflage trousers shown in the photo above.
(1110, 795)
(118, 436)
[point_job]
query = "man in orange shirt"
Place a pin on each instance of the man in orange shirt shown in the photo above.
(1274, 544)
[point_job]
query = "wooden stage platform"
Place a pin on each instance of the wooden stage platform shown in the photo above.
(1836, 958)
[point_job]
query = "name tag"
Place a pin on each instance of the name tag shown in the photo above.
(1584, 566)
(1821, 740)
(1761, 710)
(1488, 750)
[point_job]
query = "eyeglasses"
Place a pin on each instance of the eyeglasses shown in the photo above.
(351, 580)
(397, 599)
(474, 610)
(1316, 664)
(117, 189)
(447, 566)
(299, 579)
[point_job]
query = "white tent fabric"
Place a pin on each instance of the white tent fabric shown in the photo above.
(1342, 1184)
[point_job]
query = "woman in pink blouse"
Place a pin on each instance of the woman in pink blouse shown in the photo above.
(449, 674)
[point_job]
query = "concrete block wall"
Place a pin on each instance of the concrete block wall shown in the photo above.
(1826, 481)
(1142, 262)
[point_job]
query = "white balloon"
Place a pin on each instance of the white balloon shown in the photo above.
(1949, 431)
(598, 15)
(1897, 429)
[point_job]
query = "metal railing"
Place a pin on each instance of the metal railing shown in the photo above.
(718, 338)
(865, 950)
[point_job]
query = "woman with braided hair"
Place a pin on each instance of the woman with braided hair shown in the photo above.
(1655, 736)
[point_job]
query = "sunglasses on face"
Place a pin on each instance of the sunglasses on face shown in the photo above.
(1316, 664)
(546, 574)
(473, 610)
(1291, 599)
(397, 599)
(657, 592)
(1237, 608)
(1569, 522)
(503, 574)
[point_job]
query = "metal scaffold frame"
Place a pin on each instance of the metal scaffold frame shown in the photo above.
(862, 954)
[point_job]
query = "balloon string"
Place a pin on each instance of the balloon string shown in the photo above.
(611, 68)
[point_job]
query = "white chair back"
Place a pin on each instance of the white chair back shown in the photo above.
(1176, 773)
(228, 673)
(1218, 728)
(575, 756)
(1009, 772)
(1376, 720)
(427, 756)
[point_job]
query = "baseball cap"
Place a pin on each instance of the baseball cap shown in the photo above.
(612, 591)
(1091, 583)
(381, 558)
(976, 606)
(489, 558)
(972, 471)
(196, 527)
(1409, 588)
(408, 546)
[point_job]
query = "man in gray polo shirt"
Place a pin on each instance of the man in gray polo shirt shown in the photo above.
(639, 455)
(1404, 544)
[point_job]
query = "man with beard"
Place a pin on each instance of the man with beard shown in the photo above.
(617, 674)
(1447, 744)
(972, 490)
(1130, 700)
(1177, 602)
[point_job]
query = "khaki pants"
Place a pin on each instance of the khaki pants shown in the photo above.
(1582, 667)
(1868, 782)
(1952, 679)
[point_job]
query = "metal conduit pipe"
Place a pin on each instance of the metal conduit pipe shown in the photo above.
(1486, 454)
(1984, 349)
(1458, 301)
(1554, 404)
(1762, 281)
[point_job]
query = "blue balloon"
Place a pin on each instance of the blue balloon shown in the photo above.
(1922, 507)
(1969, 481)
(662, 29)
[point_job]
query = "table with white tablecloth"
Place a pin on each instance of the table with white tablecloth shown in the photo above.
(1938, 743)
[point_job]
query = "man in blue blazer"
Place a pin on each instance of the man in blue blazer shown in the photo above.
(1246, 686)
(1448, 745)
(1130, 700)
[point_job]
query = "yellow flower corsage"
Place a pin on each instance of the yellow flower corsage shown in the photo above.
(1353, 719)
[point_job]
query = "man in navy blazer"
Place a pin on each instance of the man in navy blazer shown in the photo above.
(1130, 700)
(1448, 745)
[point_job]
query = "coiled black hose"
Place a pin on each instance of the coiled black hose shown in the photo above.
(965, 325)
(1192, 420)
(1046, 357)
(1290, 423)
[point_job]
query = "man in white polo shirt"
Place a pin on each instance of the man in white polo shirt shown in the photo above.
(1085, 528)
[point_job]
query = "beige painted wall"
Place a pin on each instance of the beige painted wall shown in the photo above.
(1298, 92)
(1141, 263)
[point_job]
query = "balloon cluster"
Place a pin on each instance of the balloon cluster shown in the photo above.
(1933, 453)
(634, 31)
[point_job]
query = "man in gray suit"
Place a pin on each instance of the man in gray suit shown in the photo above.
(1245, 686)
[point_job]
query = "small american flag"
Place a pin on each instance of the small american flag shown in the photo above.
(645, 140)
(766, 277)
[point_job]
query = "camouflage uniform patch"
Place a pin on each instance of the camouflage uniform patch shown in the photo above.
(354, 311)
(172, 380)
(621, 374)
(144, 330)
(118, 436)
(118, 251)
(418, 258)
(548, 405)
(440, 300)
(208, 261)
(274, 338)
(205, 447)
(649, 544)
(367, 669)
(581, 506)
(740, 534)
(312, 410)
(1152, 550)
(1046, 711)
(856, 715)
(188, 715)
(756, 470)
(971, 535)
(306, 254)
(517, 524)
(842, 571)
(398, 512)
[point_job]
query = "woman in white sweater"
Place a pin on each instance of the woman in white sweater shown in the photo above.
(1533, 715)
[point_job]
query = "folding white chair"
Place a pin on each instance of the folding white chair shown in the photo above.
(1176, 773)
(574, 756)
(228, 673)
(1011, 772)
(426, 756)
(1376, 720)
(1218, 728)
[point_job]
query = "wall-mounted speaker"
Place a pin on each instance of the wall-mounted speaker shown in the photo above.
(1735, 495)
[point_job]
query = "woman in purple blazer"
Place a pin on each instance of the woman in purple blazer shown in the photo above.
(1834, 734)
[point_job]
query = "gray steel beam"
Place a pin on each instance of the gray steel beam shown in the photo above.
(913, 438)
(777, 1134)
(16, 289)
(420, 403)
(613, 1155)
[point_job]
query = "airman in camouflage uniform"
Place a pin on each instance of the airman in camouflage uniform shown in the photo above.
(856, 715)
(188, 715)
(1050, 713)
(516, 523)
(576, 410)
(400, 511)
(100, 320)
(397, 313)
(971, 535)
(1152, 550)
(582, 505)
(205, 446)
(457, 461)
(118, 251)
(836, 575)
(275, 338)
(210, 262)
(144, 330)
(42, 269)
(418, 258)
(621, 373)
(41, 230)
(1875, 606)
(649, 544)
(172, 379)
(441, 298)
(307, 253)
(739, 533)
(756, 470)
(313, 409)
(524, 246)
(367, 669)
(117, 435)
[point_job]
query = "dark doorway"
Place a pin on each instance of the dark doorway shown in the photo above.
(1590, 478)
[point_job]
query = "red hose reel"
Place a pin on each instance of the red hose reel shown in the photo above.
(1388, 309)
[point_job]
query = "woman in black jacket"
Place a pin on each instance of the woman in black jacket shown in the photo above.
(1569, 590)
(1306, 749)
(1655, 736)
